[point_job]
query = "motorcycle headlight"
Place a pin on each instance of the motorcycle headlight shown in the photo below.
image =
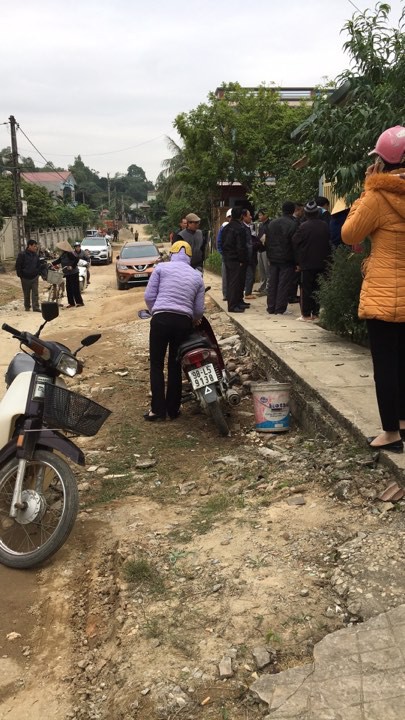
(68, 365)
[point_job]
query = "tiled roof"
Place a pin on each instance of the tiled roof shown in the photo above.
(46, 177)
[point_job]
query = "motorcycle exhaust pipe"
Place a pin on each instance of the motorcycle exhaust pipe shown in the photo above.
(232, 397)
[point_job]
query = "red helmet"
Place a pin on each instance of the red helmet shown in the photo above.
(390, 146)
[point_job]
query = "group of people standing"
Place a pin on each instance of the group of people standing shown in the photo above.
(291, 250)
(31, 264)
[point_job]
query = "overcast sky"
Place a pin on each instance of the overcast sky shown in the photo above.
(106, 78)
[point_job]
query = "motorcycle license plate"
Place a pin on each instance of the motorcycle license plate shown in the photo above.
(202, 376)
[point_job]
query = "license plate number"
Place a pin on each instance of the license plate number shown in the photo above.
(138, 275)
(202, 376)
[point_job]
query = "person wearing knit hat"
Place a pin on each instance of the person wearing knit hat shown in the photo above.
(312, 250)
(68, 261)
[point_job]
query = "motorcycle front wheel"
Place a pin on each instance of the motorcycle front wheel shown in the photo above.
(51, 503)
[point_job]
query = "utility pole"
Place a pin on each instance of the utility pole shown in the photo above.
(17, 185)
(109, 190)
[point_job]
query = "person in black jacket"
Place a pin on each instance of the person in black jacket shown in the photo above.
(68, 261)
(312, 250)
(280, 255)
(236, 258)
(28, 267)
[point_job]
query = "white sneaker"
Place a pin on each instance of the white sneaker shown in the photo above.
(304, 319)
(287, 312)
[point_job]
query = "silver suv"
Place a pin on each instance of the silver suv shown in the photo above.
(99, 248)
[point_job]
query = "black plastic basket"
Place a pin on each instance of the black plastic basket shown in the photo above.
(66, 410)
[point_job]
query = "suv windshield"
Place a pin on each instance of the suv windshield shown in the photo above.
(92, 241)
(138, 251)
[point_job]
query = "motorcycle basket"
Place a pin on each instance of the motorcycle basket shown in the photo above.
(54, 277)
(66, 410)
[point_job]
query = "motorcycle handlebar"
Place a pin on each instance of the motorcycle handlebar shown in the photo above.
(11, 330)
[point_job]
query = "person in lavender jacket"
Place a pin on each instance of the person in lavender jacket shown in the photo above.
(175, 298)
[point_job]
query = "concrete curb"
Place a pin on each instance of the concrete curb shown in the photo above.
(323, 398)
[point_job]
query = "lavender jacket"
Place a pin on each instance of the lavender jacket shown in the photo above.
(176, 287)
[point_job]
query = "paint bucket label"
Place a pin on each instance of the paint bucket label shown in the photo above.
(272, 406)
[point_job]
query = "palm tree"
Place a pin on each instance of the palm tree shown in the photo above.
(169, 183)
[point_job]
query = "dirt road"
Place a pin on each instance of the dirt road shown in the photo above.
(189, 548)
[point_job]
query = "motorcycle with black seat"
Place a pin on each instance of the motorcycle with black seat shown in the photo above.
(209, 382)
(38, 491)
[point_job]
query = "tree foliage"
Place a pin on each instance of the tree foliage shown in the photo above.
(337, 142)
(242, 137)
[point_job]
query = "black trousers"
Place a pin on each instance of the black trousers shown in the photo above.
(73, 289)
(166, 330)
(281, 277)
(387, 345)
(309, 286)
(30, 289)
(235, 278)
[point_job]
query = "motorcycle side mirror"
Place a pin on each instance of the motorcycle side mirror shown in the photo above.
(144, 314)
(87, 341)
(90, 339)
(50, 311)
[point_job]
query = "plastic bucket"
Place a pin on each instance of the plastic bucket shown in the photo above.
(272, 406)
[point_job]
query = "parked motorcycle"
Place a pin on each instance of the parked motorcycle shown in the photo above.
(38, 491)
(203, 365)
(82, 266)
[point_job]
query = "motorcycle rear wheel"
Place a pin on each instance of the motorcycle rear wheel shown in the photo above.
(52, 501)
(215, 411)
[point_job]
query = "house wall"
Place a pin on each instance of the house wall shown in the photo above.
(7, 249)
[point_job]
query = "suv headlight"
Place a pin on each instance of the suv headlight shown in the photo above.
(68, 365)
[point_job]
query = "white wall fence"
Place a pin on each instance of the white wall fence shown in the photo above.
(49, 238)
(6, 239)
(46, 238)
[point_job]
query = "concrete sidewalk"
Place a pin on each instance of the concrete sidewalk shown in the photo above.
(357, 673)
(333, 372)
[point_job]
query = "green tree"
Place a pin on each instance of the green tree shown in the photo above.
(342, 133)
(7, 201)
(41, 209)
(242, 137)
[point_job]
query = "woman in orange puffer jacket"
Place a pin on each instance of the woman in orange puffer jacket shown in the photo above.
(380, 213)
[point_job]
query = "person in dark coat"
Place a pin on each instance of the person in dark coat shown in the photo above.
(280, 255)
(236, 258)
(337, 219)
(28, 267)
(312, 250)
(68, 261)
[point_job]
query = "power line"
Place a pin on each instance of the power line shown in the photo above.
(47, 162)
(110, 152)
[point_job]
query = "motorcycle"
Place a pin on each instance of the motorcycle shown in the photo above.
(38, 491)
(82, 266)
(209, 382)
